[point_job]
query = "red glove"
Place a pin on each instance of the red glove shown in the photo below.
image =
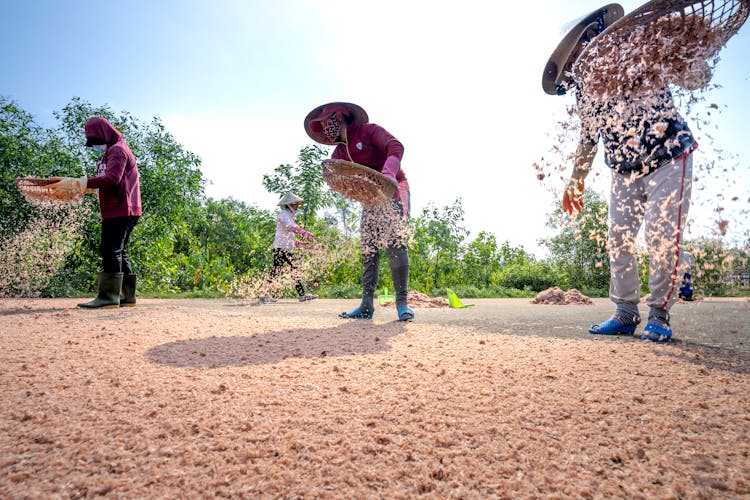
(391, 167)
(572, 201)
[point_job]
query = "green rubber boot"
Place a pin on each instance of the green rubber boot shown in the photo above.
(127, 297)
(108, 297)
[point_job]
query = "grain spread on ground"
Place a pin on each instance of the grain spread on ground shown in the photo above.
(210, 398)
(419, 300)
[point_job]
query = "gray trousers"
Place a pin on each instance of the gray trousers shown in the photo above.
(384, 227)
(661, 199)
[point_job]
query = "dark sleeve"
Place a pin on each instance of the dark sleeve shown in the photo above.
(339, 153)
(589, 126)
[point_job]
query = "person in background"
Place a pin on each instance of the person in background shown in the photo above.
(686, 288)
(284, 244)
(649, 147)
(347, 126)
(118, 183)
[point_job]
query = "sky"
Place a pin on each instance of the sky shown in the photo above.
(458, 83)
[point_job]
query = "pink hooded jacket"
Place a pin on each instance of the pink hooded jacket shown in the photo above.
(117, 177)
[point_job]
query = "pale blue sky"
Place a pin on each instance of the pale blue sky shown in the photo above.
(459, 83)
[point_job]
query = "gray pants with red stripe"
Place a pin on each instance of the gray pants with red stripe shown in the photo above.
(661, 200)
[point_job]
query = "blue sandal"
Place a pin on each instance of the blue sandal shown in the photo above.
(612, 327)
(356, 314)
(656, 333)
(405, 314)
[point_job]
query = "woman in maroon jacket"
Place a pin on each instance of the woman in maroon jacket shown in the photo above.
(117, 181)
(346, 126)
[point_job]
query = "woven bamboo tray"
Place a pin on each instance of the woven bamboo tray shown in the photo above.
(35, 190)
(358, 182)
(662, 42)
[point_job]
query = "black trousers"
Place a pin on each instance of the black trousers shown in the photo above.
(281, 257)
(113, 247)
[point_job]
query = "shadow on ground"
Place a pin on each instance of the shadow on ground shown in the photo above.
(272, 347)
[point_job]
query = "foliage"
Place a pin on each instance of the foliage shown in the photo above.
(435, 253)
(719, 271)
(578, 254)
(186, 243)
(529, 275)
(232, 230)
(306, 181)
(26, 150)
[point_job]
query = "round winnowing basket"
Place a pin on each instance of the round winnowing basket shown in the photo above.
(36, 190)
(357, 182)
(662, 42)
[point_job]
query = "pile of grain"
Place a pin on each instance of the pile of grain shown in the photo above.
(556, 296)
(421, 300)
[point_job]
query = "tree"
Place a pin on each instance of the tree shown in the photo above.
(718, 270)
(26, 150)
(172, 185)
(171, 179)
(305, 179)
(436, 249)
(579, 251)
(233, 231)
(480, 261)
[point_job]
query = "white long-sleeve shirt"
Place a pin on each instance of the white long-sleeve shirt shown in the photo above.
(284, 239)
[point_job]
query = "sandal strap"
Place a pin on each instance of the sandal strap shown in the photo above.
(356, 314)
(656, 332)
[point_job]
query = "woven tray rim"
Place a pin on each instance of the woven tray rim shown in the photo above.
(34, 181)
(344, 167)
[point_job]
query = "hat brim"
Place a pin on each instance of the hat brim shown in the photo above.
(290, 199)
(562, 57)
(312, 120)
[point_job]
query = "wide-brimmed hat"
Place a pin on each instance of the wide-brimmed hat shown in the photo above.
(582, 31)
(290, 199)
(314, 128)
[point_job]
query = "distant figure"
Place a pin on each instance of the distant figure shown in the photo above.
(346, 125)
(649, 147)
(686, 289)
(284, 244)
(118, 183)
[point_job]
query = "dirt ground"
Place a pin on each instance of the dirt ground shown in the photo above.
(205, 398)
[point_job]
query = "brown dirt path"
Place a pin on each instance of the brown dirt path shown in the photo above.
(198, 398)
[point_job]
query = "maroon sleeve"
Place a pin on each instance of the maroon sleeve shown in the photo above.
(339, 153)
(383, 140)
(116, 160)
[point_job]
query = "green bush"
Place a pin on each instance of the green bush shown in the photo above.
(346, 291)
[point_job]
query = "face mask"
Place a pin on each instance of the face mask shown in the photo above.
(101, 148)
(332, 129)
